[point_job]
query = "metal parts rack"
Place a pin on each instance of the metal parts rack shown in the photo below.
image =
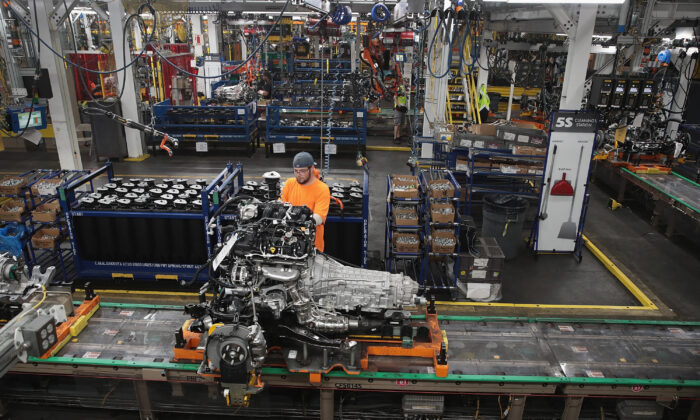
(290, 124)
(225, 124)
(145, 244)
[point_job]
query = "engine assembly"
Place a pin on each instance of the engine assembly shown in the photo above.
(273, 290)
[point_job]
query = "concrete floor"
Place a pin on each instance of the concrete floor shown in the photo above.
(663, 269)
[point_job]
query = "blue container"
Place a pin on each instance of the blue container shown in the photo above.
(12, 238)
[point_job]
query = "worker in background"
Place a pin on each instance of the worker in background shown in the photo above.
(399, 112)
(265, 86)
(484, 103)
(306, 189)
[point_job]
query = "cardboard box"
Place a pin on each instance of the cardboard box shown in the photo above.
(45, 238)
(12, 185)
(442, 212)
(441, 188)
(405, 217)
(522, 136)
(514, 169)
(11, 210)
(46, 212)
(404, 186)
(529, 150)
(443, 242)
(483, 129)
(462, 165)
(473, 140)
(46, 187)
(406, 242)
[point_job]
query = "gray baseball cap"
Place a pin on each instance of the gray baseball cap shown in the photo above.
(303, 160)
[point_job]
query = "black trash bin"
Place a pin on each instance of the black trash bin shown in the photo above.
(503, 219)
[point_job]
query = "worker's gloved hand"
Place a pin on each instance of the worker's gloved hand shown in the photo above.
(318, 219)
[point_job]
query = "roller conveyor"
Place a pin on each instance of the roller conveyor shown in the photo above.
(483, 349)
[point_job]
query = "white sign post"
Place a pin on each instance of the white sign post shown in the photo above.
(560, 219)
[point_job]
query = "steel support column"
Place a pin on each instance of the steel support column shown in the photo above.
(436, 89)
(130, 106)
(577, 59)
(327, 408)
(483, 76)
(212, 34)
(62, 106)
(198, 43)
(677, 101)
(572, 408)
(143, 400)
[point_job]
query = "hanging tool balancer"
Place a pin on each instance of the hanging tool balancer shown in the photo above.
(167, 143)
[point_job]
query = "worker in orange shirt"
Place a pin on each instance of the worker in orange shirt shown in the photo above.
(306, 189)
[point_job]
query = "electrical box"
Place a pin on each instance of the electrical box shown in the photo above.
(40, 335)
(601, 90)
(400, 57)
(633, 94)
(646, 97)
(618, 95)
(19, 118)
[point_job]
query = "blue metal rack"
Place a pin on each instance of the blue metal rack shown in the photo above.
(226, 124)
(440, 279)
(363, 219)
(227, 183)
(410, 263)
(277, 132)
(418, 264)
(40, 256)
(481, 181)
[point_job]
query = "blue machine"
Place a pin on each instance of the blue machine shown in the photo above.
(226, 124)
(17, 117)
(107, 234)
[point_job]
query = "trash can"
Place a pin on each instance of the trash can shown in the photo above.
(503, 219)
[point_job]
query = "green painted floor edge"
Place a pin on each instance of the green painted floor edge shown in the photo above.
(386, 375)
(464, 318)
(487, 318)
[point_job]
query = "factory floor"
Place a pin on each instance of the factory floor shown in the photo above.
(547, 285)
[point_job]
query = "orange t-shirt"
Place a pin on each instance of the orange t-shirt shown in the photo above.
(316, 197)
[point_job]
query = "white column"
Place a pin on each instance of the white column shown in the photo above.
(130, 106)
(137, 37)
(577, 58)
(62, 106)
(681, 92)
(435, 89)
(483, 76)
(88, 31)
(213, 34)
(197, 39)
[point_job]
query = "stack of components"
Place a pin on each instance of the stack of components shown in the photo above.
(479, 273)
(344, 90)
(142, 220)
(205, 115)
(268, 190)
(237, 95)
(346, 199)
(316, 122)
(146, 194)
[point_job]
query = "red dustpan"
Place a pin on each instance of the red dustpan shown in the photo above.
(562, 187)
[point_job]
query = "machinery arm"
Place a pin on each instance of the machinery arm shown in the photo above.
(168, 143)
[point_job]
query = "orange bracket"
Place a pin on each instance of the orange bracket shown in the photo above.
(73, 325)
(430, 350)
